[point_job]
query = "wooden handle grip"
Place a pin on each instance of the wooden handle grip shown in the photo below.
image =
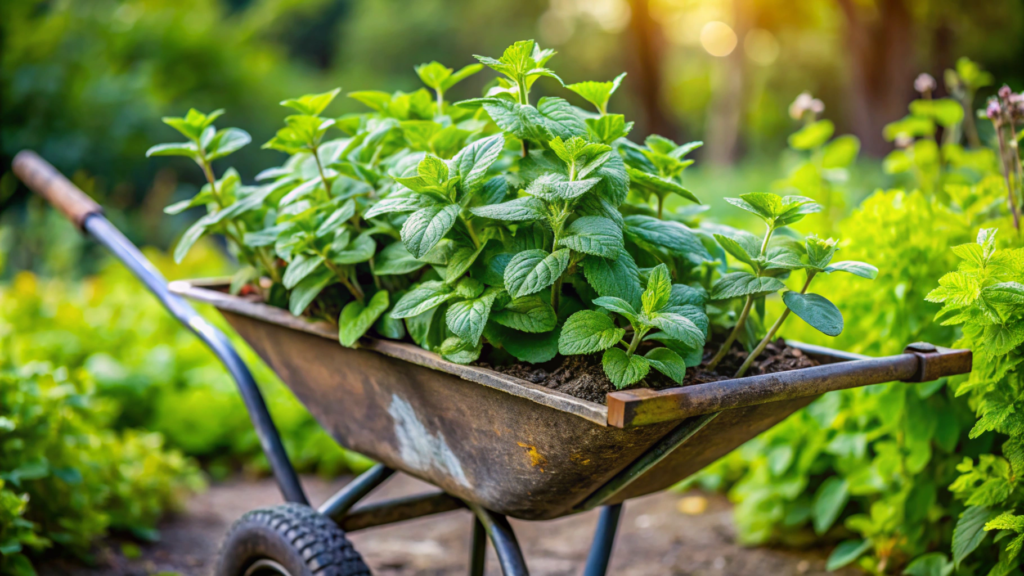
(45, 180)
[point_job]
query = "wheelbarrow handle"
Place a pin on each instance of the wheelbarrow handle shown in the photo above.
(45, 180)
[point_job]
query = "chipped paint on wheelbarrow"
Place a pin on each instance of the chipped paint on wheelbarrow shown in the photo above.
(514, 447)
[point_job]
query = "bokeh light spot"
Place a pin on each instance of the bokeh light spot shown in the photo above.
(761, 46)
(718, 39)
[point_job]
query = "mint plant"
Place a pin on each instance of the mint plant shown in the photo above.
(766, 262)
(232, 209)
(663, 308)
(655, 168)
(814, 309)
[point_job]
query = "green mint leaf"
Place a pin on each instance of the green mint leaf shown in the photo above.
(469, 288)
(550, 187)
(312, 104)
(668, 363)
(357, 318)
(812, 135)
(608, 128)
(586, 332)
(375, 99)
(560, 118)
(525, 209)
(654, 184)
(396, 204)
(1004, 293)
(301, 266)
(597, 93)
(424, 298)
(861, 269)
(781, 258)
(525, 347)
(472, 163)
(820, 251)
(459, 351)
(594, 235)
(527, 314)
(187, 149)
(468, 317)
(310, 287)
(659, 287)
(683, 295)
(619, 306)
(359, 250)
(192, 235)
(846, 553)
(736, 249)
(395, 260)
(736, 284)
(225, 142)
(433, 74)
(970, 531)
(624, 370)
(425, 228)
(679, 327)
(534, 270)
(829, 501)
(815, 310)
(672, 236)
(460, 75)
(619, 278)
(461, 260)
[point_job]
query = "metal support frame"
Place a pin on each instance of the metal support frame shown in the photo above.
(337, 506)
(478, 549)
(604, 540)
(510, 557)
(287, 480)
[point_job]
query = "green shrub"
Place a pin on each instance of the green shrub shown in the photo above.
(69, 479)
(152, 372)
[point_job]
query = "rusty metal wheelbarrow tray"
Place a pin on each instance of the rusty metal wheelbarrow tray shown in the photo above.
(518, 448)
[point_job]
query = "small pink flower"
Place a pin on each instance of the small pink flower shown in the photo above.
(994, 110)
(925, 84)
(1005, 92)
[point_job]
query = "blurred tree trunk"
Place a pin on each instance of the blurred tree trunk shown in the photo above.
(644, 69)
(881, 59)
(727, 103)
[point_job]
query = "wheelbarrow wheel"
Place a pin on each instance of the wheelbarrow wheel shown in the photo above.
(288, 540)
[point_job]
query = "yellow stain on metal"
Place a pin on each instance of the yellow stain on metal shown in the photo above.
(537, 460)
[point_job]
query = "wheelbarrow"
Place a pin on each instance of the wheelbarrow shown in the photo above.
(497, 445)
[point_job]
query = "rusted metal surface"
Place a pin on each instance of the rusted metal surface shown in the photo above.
(645, 406)
(518, 448)
(728, 430)
(937, 362)
(399, 510)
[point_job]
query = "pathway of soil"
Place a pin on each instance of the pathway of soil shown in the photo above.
(655, 539)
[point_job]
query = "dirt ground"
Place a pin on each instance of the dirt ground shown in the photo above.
(656, 538)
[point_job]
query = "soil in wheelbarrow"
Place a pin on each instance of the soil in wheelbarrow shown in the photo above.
(584, 377)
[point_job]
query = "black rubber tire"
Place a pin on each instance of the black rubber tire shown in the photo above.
(296, 538)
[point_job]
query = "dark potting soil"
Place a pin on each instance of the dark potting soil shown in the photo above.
(583, 376)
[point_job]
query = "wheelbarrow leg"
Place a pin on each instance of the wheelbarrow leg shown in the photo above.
(510, 557)
(338, 506)
(604, 540)
(478, 553)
